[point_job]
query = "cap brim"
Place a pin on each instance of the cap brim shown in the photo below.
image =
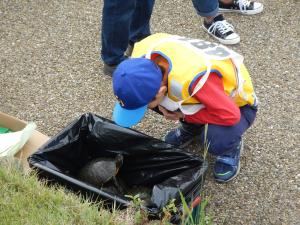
(128, 118)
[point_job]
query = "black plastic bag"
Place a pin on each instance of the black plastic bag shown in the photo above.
(147, 162)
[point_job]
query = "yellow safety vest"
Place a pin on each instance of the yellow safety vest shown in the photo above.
(191, 58)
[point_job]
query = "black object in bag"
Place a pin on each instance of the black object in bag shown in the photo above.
(146, 162)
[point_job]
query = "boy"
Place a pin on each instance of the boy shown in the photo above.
(196, 82)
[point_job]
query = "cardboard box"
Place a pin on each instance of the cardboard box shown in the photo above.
(36, 140)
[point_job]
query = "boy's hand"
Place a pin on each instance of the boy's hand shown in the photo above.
(171, 115)
(158, 98)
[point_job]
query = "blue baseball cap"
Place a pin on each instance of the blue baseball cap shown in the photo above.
(136, 82)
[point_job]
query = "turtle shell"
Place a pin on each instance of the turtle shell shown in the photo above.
(100, 170)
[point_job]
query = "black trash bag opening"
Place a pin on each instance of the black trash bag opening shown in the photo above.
(147, 161)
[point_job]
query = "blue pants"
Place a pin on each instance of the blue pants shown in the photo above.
(206, 8)
(223, 139)
(123, 21)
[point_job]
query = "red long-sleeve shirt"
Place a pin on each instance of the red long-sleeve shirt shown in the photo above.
(219, 108)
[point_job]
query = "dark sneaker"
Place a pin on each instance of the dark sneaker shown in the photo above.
(227, 166)
(129, 49)
(242, 6)
(109, 69)
(221, 30)
(180, 137)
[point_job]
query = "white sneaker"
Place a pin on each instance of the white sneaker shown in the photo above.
(221, 30)
(242, 6)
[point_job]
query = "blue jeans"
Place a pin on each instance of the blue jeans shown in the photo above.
(123, 21)
(206, 8)
(223, 139)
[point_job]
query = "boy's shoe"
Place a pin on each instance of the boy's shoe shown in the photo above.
(180, 137)
(227, 166)
(221, 30)
(242, 6)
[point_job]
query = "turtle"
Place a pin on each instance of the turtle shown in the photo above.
(101, 173)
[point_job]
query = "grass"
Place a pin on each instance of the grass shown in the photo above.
(25, 200)
(199, 216)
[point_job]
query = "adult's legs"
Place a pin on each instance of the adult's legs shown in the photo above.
(214, 23)
(140, 24)
(206, 8)
(116, 21)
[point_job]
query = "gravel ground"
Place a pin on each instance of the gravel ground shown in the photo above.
(50, 73)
